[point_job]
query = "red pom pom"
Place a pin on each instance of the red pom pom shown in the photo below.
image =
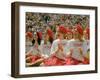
(86, 61)
(29, 34)
(34, 58)
(50, 33)
(71, 61)
(39, 34)
(79, 29)
(62, 29)
(69, 31)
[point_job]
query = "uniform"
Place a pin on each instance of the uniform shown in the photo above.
(28, 43)
(45, 48)
(59, 57)
(34, 55)
(86, 48)
(54, 47)
(75, 45)
(28, 46)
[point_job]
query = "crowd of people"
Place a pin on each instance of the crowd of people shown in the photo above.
(63, 45)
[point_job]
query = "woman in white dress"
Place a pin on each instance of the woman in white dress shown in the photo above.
(28, 44)
(86, 37)
(77, 45)
(47, 42)
(34, 56)
(59, 49)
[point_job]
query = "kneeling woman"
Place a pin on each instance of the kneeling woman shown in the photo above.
(59, 49)
(87, 42)
(47, 42)
(34, 56)
(77, 46)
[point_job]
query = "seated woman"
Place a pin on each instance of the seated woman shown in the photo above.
(86, 37)
(34, 56)
(58, 49)
(47, 42)
(29, 38)
(78, 46)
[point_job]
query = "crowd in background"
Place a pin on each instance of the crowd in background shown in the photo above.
(39, 21)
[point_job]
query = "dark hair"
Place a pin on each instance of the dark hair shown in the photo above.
(38, 40)
(51, 40)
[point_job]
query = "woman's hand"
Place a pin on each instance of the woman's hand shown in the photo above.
(80, 51)
(60, 46)
(69, 54)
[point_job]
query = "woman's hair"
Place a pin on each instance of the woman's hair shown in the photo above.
(38, 39)
(50, 34)
(51, 40)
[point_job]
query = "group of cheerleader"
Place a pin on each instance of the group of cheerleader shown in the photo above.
(64, 47)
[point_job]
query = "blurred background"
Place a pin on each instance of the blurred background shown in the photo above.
(40, 21)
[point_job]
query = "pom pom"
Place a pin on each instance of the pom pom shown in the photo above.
(29, 34)
(69, 31)
(50, 33)
(79, 29)
(62, 29)
(53, 61)
(39, 34)
(34, 58)
(86, 61)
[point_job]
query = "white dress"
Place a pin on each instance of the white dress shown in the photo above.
(61, 55)
(75, 45)
(35, 50)
(86, 47)
(45, 48)
(28, 46)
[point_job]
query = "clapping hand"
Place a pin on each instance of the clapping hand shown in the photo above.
(69, 54)
(80, 50)
(60, 46)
